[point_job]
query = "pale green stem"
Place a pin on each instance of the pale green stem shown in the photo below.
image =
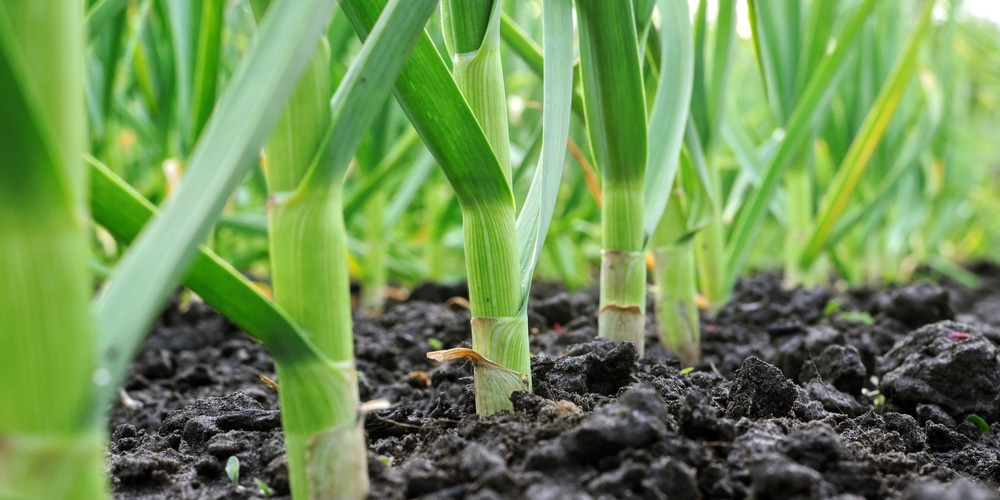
(676, 307)
(375, 276)
(798, 186)
(310, 279)
(499, 330)
(623, 265)
(499, 326)
(50, 444)
(710, 254)
(308, 252)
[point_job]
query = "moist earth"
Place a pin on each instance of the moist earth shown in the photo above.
(803, 393)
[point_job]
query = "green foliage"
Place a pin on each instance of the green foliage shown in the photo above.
(264, 488)
(847, 137)
(233, 470)
(981, 425)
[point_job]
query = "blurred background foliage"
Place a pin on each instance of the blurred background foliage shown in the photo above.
(930, 194)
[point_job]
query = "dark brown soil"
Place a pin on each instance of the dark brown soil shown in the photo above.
(783, 405)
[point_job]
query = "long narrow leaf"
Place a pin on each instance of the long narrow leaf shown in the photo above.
(124, 212)
(430, 98)
(101, 13)
(364, 88)
(144, 277)
(536, 215)
(206, 69)
(670, 110)
(871, 132)
(810, 107)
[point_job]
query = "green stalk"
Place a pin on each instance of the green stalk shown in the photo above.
(676, 306)
(475, 51)
(616, 122)
(499, 332)
(713, 61)
(710, 242)
(309, 150)
(500, 253)
(798, 184)
(370, 155)
(309, 273)
(375, 277)
(49, 448)
(674, 277)
(308, 249)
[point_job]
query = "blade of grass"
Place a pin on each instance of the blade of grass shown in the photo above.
(871, 132)
(668, 118)
(536, 215)
(150, 269)
(529, 52)
(776, 36)
(811, 105)
(48, 448)
(101, 13)
(206, 67)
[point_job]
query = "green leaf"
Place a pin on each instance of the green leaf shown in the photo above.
(233, 470)
(145, 276)
(526, 48)
(835, 202)
(811, 105)
(101, 14)
(206, 69)
(668, 119)
(431, 99)
(536, 214)
(776, 36)
(124, 212)
(906, 159)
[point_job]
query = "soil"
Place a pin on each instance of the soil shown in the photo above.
(805, 393)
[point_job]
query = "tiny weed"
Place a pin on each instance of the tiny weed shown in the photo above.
(264, 488)
(980, 424)
(233, 470)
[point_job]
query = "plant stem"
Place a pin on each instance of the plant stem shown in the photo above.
(798, 186)
(623, 266)
(375, 276)
(308, 249)
(676, 309)
(616, 123)
(499, 331)
(50, 446)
